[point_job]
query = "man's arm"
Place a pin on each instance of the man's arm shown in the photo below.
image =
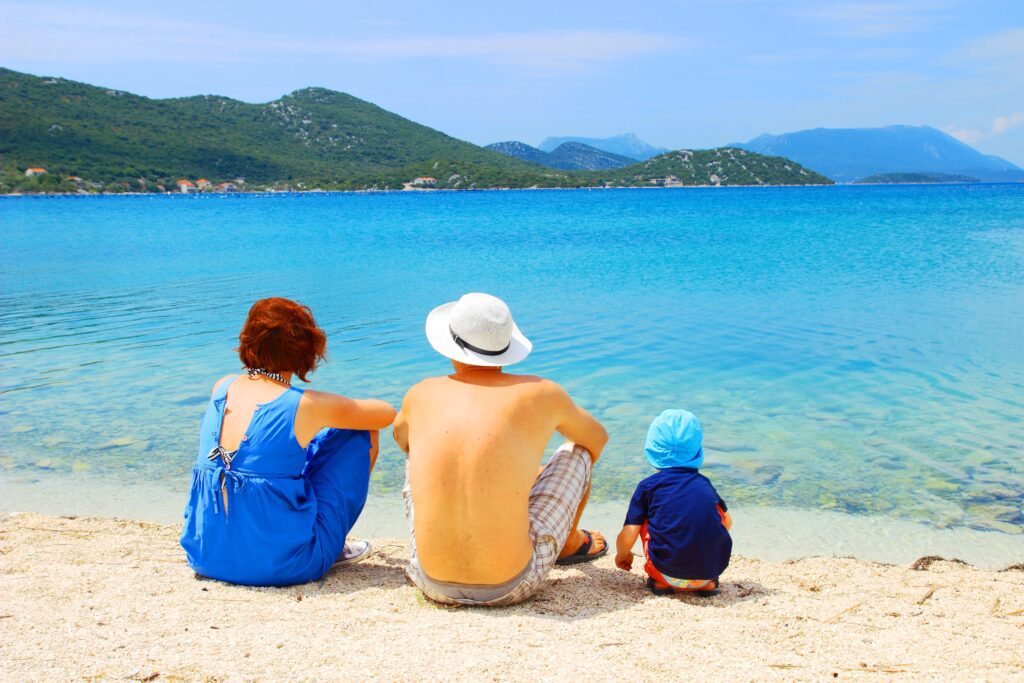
(401, 425)
(579, 426)
(624, 546)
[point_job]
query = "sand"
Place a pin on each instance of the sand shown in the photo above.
(104, 599)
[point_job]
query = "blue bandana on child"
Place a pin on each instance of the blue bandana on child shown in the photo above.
(674, 440)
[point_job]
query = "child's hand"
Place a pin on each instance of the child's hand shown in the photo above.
(624, 561)
(624, 546)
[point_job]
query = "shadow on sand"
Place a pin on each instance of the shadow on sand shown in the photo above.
(571, 593)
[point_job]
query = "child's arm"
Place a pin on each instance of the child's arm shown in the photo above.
(624, 546)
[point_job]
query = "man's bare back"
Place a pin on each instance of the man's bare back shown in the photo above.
(475, 441)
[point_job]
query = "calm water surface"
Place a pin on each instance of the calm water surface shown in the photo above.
(850, 348)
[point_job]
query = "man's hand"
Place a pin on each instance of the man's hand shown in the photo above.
(624, 561)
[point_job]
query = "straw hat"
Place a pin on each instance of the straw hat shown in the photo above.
(477, 330)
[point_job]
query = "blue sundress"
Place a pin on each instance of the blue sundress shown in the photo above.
(288, 508)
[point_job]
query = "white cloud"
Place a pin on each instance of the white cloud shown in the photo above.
(1008, 44)
(80, 34)
(998, 57)
(965, 135)
(1000, 125)
(873, 19)
(1005, 123)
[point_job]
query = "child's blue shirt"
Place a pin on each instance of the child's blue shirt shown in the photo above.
(687, 537)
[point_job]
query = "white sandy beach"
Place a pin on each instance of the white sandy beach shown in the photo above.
(104, 599)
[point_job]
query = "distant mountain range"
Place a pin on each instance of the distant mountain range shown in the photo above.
(58, 135)
(568, 156)
(627, 145)
(849, 154)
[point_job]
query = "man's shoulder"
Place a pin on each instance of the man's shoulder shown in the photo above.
(424, 385)
(538, 385)
(542, 392)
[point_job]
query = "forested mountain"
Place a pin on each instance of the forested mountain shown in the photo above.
(314, 136)
(95, 139)
(719, 166)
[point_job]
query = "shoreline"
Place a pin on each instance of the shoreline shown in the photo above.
(413, 190)
(102, 599)
(771, 534)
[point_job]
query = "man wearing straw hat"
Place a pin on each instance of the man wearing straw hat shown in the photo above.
(486, 527)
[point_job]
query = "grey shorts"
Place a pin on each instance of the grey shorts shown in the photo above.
(554, 500)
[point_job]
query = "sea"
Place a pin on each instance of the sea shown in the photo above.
(854, 353)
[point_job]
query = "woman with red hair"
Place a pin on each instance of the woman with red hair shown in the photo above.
(282, 472)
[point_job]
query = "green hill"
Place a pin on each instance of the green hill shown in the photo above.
(914, 178)
(312, 138)
(720, 166)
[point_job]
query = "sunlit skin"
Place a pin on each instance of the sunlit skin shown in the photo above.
(475, 439)
(317, 410)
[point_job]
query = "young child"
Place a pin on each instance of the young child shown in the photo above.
(682, 521)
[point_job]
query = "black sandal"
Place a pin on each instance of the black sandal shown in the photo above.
(582, 553)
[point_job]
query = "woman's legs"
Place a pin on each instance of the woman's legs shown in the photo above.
(339, 476)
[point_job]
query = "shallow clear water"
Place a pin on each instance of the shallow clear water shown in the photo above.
(857, 349)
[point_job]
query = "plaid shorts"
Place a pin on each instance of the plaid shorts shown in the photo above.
(554, 500)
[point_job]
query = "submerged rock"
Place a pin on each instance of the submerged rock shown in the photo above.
(729, 447)
(120, 442)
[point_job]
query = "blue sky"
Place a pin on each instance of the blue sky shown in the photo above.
(678, 74)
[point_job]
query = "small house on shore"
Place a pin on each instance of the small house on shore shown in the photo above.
(226, 187)
(33, 172)
(425, 181)
(186, 186)
(204, 184)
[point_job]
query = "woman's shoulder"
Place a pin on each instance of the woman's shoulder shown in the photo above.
(321, 399)
(221, 383)
(314, 395)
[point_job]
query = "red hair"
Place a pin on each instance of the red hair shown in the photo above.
(280, 335)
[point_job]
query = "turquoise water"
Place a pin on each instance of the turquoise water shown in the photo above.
(857, 349)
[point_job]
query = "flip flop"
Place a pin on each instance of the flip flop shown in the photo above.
(353, 552)
(709, 593)
(582, 553)
(651, 586)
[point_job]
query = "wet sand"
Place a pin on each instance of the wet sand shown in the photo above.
(105, 599)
